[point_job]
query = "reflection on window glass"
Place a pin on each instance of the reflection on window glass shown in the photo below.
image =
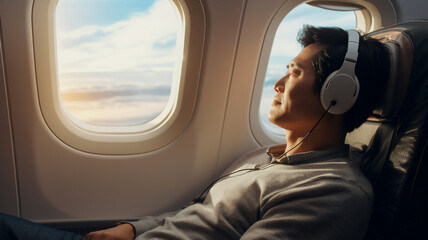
(115, 59)
(285, 47)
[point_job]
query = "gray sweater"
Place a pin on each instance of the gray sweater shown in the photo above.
(313, 195)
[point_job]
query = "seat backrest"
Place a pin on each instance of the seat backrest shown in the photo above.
(395, 159)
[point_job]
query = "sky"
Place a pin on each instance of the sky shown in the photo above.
(116, 60)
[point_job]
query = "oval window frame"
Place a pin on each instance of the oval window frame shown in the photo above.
(119, 140)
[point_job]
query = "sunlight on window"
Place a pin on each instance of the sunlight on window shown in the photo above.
(115, 59)
(285, 47)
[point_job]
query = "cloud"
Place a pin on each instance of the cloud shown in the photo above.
(285, 43)
(98, 94)
(143, 41)
(119, 74)
(113, 112)
(114, 80)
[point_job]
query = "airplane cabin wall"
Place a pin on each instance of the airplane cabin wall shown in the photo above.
(60, 183)
(55, 182)
(410, 10)
(8, 184)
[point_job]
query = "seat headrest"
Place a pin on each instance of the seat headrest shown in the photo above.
(396, 156)
(401, 55)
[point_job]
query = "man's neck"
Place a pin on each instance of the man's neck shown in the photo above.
(326, 135)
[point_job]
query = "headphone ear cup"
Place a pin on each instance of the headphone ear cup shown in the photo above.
(341, 89)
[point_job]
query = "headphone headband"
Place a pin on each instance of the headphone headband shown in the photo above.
(353, 43)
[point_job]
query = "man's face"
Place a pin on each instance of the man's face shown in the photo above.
(296, 106)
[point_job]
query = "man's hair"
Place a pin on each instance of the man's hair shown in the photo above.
(372, 68)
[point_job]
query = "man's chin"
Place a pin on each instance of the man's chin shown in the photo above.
(274, 121)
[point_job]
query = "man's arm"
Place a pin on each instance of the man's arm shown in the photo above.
(150, 222)
(129, 230)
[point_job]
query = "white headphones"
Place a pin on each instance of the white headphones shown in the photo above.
(341, 88)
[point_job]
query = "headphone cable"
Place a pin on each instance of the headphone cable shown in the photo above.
(199, 198)
(310, 131)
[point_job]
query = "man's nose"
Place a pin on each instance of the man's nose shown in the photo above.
(279, 86)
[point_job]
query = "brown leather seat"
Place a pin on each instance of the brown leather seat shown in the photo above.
(395, 159)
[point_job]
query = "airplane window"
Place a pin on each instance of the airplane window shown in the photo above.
(285, 48)
(116, 61)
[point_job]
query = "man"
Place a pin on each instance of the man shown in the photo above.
(306, 189)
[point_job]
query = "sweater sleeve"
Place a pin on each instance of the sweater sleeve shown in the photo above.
(326, 209)
(149, 222)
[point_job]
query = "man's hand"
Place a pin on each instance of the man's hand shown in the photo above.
(120, 232)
